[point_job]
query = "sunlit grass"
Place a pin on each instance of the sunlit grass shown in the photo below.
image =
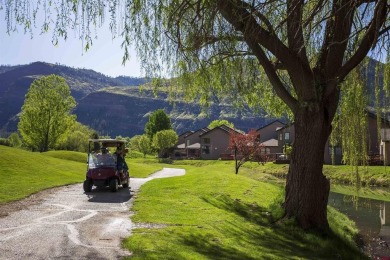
(211, 213)
(68, 155)
(24, 173)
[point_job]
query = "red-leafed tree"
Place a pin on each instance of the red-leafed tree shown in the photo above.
(246, 148)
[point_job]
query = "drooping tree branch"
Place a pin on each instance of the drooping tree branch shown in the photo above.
(369, 39)
(256, 36)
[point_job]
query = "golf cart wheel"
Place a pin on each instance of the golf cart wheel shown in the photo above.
(113, 185)
(87, 185)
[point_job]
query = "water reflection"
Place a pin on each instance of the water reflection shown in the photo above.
(372, 217)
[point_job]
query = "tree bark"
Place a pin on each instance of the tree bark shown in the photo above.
(307, 189)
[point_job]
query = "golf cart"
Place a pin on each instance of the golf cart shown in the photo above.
(106, 164)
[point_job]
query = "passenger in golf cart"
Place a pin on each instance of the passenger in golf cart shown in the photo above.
(120, 159)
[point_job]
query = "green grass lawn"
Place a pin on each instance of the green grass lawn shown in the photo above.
(341, 176)
(211, 213)
(24, 173)
(142, 168)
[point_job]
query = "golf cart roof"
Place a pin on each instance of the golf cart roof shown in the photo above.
(107, 142)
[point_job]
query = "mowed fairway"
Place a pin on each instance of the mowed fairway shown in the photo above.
(211, 213)
(24, 173)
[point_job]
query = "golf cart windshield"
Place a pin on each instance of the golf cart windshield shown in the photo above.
(101, 160)
(103, 152)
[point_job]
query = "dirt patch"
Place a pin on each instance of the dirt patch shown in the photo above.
(33, 199)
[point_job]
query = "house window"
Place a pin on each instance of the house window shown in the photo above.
(206, 140)
(206, 149)
(265, 150)
(188, 143)
(280, 137)
(287, 136)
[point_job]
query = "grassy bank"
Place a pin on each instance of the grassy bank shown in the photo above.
(378, 176)
(24, 173)
(211, 213)
(342, 178)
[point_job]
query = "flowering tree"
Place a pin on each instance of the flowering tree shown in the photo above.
(246, 148)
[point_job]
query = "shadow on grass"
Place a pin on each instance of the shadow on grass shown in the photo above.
(256, 237)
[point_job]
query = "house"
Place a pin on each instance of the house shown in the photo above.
(189, 144)
(269, 139)
(286, 136)
(215, 142)
(182, 137)
(268, 132)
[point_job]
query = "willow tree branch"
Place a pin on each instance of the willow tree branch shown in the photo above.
(368, 40)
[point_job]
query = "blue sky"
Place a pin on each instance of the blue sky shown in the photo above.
(105, 55)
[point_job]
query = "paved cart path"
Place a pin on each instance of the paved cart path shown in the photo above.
(67, 223)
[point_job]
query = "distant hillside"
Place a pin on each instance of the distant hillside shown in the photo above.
(110, 105)
(115, 106)
(16, 80)
(125, 111)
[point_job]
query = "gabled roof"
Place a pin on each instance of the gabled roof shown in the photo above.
(270, 143)
(181, 146)
(199, 131)
(284, 127)
(371, 112)
(187, 133)
(276, 121)
(194, 146)
(224, 128)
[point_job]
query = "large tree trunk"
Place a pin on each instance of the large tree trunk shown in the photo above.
(307, 189)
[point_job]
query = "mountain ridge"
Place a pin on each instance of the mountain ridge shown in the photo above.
(112, 106)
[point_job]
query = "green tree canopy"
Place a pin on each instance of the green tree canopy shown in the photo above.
(45, 116)
(158, 121)
(287, 56)
(76, 138)
(220, 122)
(14, 140)
(164, 140)
(144, 145)
(133, 142)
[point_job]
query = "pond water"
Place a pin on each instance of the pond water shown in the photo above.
(372, 217)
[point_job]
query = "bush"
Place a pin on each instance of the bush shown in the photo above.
(4, 141)
(15, 140)
(134, 154)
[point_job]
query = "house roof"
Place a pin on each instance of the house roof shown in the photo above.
(199, 131)
(194, 146)
(270, 143)
(275, 121)
(284, 127)
(187, 133)
(181, 146)
(371, 112)
(224, 128)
